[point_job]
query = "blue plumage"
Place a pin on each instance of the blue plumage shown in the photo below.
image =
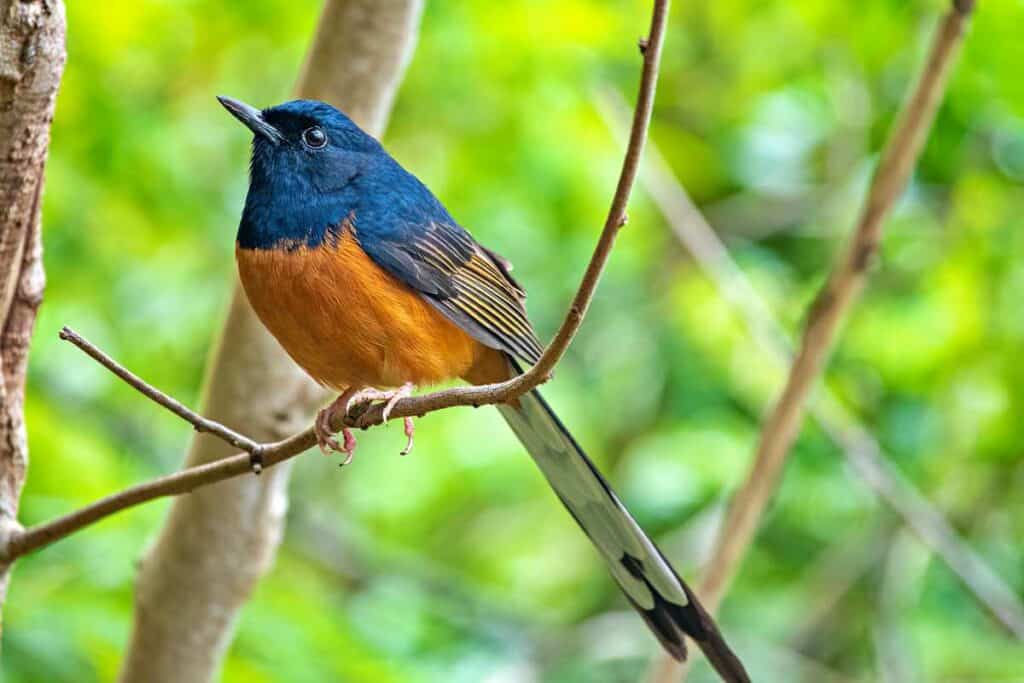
(299, 195)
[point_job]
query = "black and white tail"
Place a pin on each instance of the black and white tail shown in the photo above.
(666, 603)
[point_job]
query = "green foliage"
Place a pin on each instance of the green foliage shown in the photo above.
(456, 563)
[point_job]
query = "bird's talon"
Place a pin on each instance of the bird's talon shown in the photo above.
(326, 439)
(328, 445)
(360, 397)
(347, 446)
(351, 400)
(394, 397)
(322, 428)
(369, 395)
(410, 429)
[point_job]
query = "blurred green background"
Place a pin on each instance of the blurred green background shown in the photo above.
(456, 563)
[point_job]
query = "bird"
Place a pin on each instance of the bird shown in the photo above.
(370, 285)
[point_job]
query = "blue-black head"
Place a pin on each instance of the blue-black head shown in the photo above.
(302, 136)
(306, 158)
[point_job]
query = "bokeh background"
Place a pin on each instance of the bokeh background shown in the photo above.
(456, 563)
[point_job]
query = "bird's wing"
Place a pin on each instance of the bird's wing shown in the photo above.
(468, 283)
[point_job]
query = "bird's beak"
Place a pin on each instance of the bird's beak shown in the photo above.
(252, 118)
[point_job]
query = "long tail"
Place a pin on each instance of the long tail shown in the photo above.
(666, 603)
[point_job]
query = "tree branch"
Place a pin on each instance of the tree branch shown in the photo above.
(32, 58)
(829, 309)
(41, 535)
(200, 423)
(841, 290)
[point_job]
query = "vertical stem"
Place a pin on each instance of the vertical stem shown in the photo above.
(841, 290)
(31, 64)
(833, 302)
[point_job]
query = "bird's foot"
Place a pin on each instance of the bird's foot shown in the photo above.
(390, 398)
(326, 439)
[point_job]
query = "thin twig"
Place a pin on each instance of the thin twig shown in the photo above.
(200, 423)
(186, 480)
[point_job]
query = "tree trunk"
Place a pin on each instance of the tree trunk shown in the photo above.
(31, 63)
(218, 541)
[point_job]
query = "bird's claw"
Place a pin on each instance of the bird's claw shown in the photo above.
(348, 447)
(348, 400)
(390, 398)
(326, 439)
(410, 429)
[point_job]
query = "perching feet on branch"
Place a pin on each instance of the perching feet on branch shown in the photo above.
(325, 437)
(352, 398)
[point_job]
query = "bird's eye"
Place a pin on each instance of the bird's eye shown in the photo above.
(314, 137)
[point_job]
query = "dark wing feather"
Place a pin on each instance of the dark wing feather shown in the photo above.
(469, 284)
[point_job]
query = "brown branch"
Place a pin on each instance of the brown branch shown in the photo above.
(827, 312)
(32, 56)
(39, 536)
(42, 535)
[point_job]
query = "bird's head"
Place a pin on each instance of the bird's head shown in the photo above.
(307, 158)
(303, 140)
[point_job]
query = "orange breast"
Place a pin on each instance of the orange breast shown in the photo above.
(347, 322)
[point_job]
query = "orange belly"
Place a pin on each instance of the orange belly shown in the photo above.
(347, 322)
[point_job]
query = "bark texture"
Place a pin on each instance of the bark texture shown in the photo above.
(218, 541)
(31, 63)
